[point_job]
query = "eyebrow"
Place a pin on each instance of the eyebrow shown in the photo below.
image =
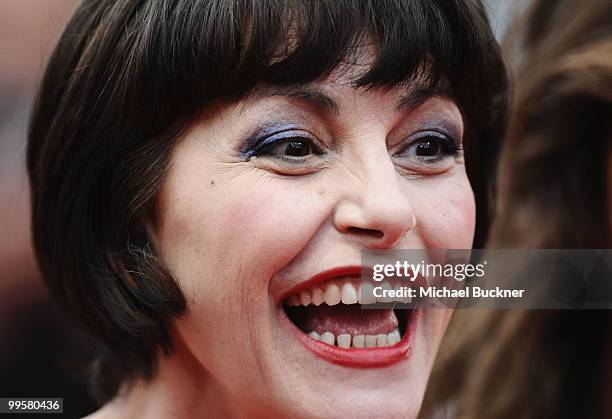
(323, 103)
(418, 95)
(308, 95)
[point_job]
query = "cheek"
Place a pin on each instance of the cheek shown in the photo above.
(247, 227)
(227, 241)
(446, 215)
(269, 222)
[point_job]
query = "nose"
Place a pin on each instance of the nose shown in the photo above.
(376, 211)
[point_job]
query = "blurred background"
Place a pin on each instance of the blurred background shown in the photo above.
(35, 342)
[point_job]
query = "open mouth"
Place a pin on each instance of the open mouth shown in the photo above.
(331, 320)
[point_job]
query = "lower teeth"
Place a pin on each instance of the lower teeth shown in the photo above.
(347, 341)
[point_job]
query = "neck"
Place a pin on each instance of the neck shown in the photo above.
(180, 388)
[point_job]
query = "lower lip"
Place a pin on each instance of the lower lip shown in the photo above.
(363, 357)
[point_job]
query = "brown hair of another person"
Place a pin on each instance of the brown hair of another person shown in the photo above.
(554, 189)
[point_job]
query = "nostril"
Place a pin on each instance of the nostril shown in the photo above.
(377, 234)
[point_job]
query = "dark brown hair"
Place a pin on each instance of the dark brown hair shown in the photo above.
(553, 193)
(128, 76)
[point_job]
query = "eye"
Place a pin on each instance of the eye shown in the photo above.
(429, 147)
(292, 145)
(288, 148)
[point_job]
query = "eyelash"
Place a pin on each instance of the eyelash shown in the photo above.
(450, 146)
(259, 146)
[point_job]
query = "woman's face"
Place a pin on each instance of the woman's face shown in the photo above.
(279, 194)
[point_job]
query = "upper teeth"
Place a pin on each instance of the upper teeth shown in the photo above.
(347, 291)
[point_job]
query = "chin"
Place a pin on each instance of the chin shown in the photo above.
(333, 358)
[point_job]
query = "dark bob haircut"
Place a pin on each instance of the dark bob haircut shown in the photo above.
(127, 77)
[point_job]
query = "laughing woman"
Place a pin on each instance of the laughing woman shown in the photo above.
(195, 166)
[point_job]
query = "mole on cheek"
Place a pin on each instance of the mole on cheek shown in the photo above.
(212, 181)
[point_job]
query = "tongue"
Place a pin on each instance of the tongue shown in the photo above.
(341, 319)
